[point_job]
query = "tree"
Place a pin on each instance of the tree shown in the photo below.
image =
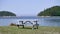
(6, 13)
(53, 11)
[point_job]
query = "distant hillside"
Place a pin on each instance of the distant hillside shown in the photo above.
(6, 13)
(53, 11)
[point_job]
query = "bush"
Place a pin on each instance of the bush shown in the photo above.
(12, 24)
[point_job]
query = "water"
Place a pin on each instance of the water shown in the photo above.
(43, 21)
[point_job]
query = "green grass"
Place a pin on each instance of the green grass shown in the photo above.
(40, 30)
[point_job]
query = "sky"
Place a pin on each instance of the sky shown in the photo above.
(27, 7)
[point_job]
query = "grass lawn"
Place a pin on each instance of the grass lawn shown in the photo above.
(40, 30)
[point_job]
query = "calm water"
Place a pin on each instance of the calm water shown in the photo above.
(43, 21)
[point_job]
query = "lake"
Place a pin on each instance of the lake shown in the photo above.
(42, 21)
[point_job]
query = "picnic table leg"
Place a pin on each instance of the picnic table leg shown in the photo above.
(37, 27)
(36, 24)
(18, 26)
(23, 26)
(33, 27)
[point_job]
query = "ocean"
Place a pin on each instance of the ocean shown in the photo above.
(42, 21)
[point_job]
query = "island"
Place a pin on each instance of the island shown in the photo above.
(6, 13)
(53, 11)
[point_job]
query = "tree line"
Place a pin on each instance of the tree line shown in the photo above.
(53, 11)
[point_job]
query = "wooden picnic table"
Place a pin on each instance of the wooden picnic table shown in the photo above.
(22, 24)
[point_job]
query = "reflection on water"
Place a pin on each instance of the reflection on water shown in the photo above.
(43, 21)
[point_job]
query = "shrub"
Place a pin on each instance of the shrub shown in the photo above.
(12, 24)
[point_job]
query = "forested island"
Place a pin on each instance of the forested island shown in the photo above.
(6, 13)
(53, 11)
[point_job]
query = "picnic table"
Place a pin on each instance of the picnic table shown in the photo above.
(34, 23)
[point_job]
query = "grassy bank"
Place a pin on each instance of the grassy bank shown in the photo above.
(41, 30)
